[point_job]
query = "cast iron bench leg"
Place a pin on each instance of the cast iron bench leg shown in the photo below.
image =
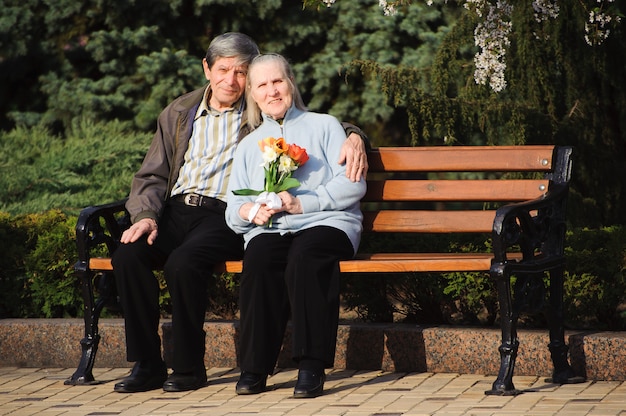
(92, 309)
(563, 373)
(510, 343)
(89, 344)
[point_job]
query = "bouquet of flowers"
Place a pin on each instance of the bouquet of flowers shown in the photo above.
(280, 160)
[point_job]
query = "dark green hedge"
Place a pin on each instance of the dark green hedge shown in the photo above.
(38, 255)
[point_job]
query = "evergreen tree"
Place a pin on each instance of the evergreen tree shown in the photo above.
(563, 84)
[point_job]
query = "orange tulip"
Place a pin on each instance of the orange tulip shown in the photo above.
(278, 145)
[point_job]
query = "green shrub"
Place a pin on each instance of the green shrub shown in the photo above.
(13, 287)
(595, 283)
(92, 164)
(426, 298)
(37, 274)
(37, 279)
(49, 266)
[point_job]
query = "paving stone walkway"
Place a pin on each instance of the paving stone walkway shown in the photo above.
(41, 391)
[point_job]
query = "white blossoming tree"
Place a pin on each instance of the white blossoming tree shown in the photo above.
(494, 26)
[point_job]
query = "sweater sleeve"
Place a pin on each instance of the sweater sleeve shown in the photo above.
(338, 193)
(243, 176)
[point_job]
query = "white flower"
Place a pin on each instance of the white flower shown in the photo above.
(492, 38)
(269, 155)
(545, 9)
(286, 164)
(388, 9)
(491, 34)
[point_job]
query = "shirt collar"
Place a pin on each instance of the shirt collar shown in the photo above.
(204, 108)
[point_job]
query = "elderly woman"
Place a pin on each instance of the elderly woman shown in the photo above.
(294, 238)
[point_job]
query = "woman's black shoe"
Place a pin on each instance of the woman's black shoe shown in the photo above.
(185, 381)
(251, 383)
(310, 384)
(144, 376)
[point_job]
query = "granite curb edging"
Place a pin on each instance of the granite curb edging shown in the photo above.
(54, 343)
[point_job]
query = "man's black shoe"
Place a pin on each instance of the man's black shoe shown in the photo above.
(251, 383)
(144, 376)
(185, 381)
(310, 384)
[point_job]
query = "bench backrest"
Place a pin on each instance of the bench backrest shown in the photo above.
(455, 188)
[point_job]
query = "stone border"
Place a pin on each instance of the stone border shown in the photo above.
(54, 343)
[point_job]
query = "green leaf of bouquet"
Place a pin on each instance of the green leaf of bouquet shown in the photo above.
(288, 183)
(246, 192)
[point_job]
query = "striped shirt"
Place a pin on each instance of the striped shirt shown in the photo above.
(209, 156)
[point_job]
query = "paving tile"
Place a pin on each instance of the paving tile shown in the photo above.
(35, 391)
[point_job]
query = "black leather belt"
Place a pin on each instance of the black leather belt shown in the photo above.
(195, 200)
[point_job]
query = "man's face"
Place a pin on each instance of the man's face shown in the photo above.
(228, 81)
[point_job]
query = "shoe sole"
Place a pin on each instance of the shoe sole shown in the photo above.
(309, 394)
(250, 390)
(174, 389)
(137, 390)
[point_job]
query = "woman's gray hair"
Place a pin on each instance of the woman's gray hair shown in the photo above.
(232, 44)
(253, 110)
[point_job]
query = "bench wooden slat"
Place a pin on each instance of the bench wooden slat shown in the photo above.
(462, 159)
(414, 221)
(379, 262)
(418, 262)
(455, 190)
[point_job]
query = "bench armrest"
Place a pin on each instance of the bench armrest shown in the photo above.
(537, 227)
(100, 226)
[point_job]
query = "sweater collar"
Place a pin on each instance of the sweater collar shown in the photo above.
(291, 114)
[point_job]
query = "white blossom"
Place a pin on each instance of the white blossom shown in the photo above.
(389, 9)
(597, 25)
(491, 34)
(545, 9)
(492, 38)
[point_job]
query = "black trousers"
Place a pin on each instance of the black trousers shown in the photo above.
(191, 241)
(293, 275)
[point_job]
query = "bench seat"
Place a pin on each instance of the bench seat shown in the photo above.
(376, 263)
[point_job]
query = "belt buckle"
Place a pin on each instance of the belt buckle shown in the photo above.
(193, 200)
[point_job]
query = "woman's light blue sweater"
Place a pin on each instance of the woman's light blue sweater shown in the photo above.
(327, 196)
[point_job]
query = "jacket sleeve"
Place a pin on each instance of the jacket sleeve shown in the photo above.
(150, 183)
(351, 128)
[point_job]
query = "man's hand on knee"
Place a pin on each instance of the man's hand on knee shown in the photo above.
(140, 228)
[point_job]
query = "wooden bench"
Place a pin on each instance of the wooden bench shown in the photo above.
(515, 193)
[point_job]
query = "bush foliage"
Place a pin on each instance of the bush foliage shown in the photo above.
(37, 277)
(594, 288)
(92, 164)
(37, 280)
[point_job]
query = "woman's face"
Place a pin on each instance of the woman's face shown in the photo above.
(270, 89)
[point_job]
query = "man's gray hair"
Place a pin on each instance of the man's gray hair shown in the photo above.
(232, 44)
